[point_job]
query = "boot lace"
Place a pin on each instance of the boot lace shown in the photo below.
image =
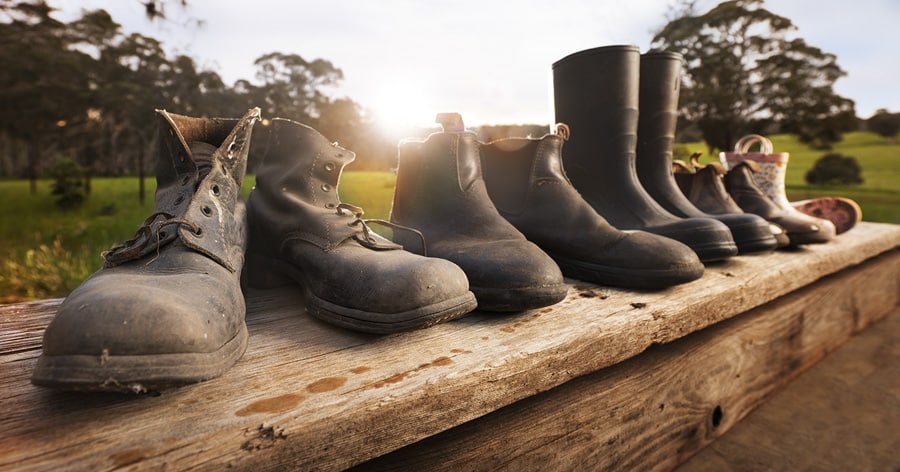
(135, 247)
(345, 209)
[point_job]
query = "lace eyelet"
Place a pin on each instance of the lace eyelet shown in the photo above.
(207, 211)
(326, 187)
(185, 180)
(198, 233)
(215, 190)
(330, 205)
(329, 166)
(162, 235)
(178, 200)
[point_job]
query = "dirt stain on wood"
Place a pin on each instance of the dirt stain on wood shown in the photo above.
(439, 362)
(508, 329)
(326, 385)
(272, 405)
(128, 457)
(460, 351)
(360, 369)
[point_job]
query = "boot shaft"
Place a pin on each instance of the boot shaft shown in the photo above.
(595, 92)
(659, 88)
(203, 211)
(296, 192)
(514, 167)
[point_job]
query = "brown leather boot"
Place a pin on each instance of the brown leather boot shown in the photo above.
(301, 233)
(440, 192)
(704, 187)
(166, 309)
(800, 228)
(527, 183)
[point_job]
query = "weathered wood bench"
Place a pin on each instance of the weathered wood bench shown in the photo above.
(606, 379)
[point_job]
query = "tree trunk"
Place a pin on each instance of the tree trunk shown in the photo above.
(34, 156)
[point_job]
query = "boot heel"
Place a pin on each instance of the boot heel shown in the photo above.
(261, 272)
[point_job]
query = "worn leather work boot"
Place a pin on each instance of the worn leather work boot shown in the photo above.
(301, 233)
(440, 192)
(658, 117)
(526, 181)
(166, 308)
(596, 94)
(704, 187)
(800, 228)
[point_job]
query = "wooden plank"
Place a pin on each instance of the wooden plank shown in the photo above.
(308, 395)
(842, 414)
(655, 410)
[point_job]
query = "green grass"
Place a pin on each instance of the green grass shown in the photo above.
(46, 252)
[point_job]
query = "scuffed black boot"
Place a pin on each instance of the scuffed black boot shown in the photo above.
(300, 232)
(440, 192)
(527, 183)
(166, 309)
(658, 102)
(596, 94)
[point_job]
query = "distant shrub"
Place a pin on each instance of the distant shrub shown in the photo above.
(46, 271)
(69, 184)
(835, 169)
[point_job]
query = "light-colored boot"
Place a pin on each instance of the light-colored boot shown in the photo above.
(771, 174)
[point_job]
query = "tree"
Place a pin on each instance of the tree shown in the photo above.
(742, 72)
(884, 123)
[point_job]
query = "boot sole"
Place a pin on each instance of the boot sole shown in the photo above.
(647, 279)
(843, 212)
(137, 373)
(263, 272)
(518, 299)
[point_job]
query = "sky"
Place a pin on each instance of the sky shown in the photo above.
(490, 60)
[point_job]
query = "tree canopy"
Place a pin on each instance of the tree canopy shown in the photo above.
(743, 74)
(87, 90)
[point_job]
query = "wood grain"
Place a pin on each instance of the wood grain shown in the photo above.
(654, 411)
(842, 414)
(307, 395)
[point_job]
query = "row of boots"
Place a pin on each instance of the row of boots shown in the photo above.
(493, 225)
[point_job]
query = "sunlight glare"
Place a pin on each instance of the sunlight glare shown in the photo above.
(401, 106)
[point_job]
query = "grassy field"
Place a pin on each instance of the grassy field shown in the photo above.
(46, 252)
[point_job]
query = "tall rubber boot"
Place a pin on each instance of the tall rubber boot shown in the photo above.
(596, 94)
(440, 192)
(301, 233)
(527, 183)
(166, 309)
(657, 121)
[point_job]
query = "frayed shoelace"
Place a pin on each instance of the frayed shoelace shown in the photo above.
(135, 246)
(345, 209)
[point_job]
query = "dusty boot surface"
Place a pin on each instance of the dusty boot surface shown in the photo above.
(440, 192)
(166, 309)
(301, 233)
(526, 181)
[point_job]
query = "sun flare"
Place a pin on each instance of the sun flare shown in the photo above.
(403, 106)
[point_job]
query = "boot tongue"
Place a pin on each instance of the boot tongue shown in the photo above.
(202, 153)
